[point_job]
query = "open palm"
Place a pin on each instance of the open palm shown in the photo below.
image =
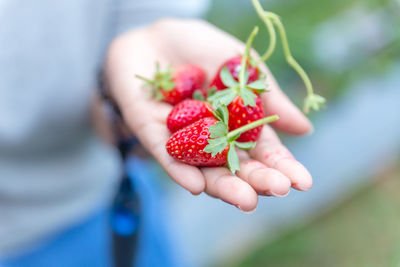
(269, 169)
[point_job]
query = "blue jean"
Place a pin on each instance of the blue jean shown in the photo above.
(85, 244)
(88, 243)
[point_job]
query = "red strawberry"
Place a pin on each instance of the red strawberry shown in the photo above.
(244, 104)
(187, 112)
(187, 145)
(207, 142)
(233, 65)
(242, 93)
(178, 84)
(240, 115)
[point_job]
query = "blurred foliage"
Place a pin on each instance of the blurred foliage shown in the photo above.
(363, 231)
(302, 19)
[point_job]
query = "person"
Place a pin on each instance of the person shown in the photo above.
(57, 176)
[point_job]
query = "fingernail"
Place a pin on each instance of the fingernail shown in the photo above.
(304, 188)
(250, 211)
(247, 212)
(278, 195)
(195, 193)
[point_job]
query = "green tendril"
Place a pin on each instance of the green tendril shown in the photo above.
(271, 32)
(312, 101)
(246, 56)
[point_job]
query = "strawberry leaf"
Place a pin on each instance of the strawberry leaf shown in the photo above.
(259, 91)
(248, 97)
(216, 146)
(163, 79)
(198, 95)
(167, 84)
(245, 145)
(223, 113)
(212, 91)
(227, 78)
(259, 84)
(147, 81)
(218, 130)
(233, 159)
(224, 97)
(158, 96)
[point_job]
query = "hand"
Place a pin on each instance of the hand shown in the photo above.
(269, 169)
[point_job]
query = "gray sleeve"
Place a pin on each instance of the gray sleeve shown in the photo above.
(134, 13)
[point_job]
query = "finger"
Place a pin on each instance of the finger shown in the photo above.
(270, 151)
(153, 136)
(189, 177)
(291, 119)
(222, 184)
(264, 180)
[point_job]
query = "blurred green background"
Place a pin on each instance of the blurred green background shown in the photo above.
(361, 231)
(303, 19)
(338, 43)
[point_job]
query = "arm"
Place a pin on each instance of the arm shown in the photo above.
(269, 169)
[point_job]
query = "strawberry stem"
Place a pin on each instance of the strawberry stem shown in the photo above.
(271, 31)
(289, 58)
(252, 125)
(144, 78)
(245, 56)
(312, 101)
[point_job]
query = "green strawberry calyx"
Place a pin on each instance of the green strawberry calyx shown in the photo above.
(241, 87)
(198, 95)
(162, 81)
(220, 138)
